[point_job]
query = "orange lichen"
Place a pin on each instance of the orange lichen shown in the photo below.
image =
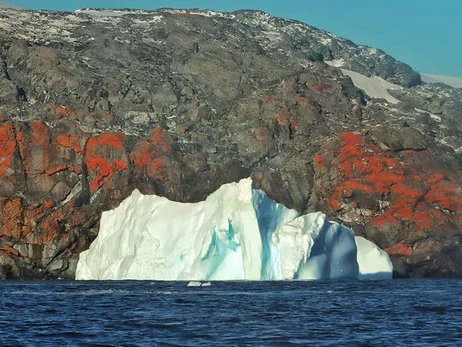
(63, 167)
(12, 217)
(40, 133)
(366, 169)
(352, 138)
(115, 140)
(157, 137)
(335, 204)
(143, 154)
(157, 165)
(63, 109)
(69, 141)
(320, 87)
(7, 147)
(400, 248)
(304, 101)
(282, 118)
(148, 159)
(436, 178)
(320, 161)
(100, 150)
(48, 203)
(445, 194)
(9, 251)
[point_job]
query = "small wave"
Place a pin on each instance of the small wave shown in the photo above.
(432, 309)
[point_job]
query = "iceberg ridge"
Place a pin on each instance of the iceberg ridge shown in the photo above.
(237, 233)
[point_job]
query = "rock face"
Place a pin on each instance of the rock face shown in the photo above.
(95, 104)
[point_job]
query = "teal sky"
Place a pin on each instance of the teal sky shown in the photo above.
(425, 34)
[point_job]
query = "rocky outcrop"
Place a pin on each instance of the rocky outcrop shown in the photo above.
(95, 104)
(406, 199)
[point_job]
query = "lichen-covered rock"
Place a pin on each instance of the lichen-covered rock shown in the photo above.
(95, 104)
(409, 203)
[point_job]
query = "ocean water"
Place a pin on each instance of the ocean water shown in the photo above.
(311, 313)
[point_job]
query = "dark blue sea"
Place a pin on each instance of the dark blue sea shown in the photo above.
(311, 313)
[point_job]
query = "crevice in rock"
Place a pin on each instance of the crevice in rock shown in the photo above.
(5, 71)
(21, 94)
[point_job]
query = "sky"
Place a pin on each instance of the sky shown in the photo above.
(426, 34)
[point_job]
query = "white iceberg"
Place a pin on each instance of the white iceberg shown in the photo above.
(237, 233)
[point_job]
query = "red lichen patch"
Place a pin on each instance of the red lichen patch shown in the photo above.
(266, 98)
(400, 248)
(20, 136)
(320, 161)
(50, 229)
(366, 174)
(261, 133)
(62, 109)
(335, 204)
(147, 158)
(386, 218)
(150, 156)
(364, 167)
(40, 133)
(320, 87)
(162, 138)
(7, 148)
(61, 168)
(282, 118)
(9, 251)
(183, 129)
(114, 140)
(446, 195)
(99, 153)
(70, 141)
(48, 203)
(65, 111)
(158, 136)
(305, 101)
(11, 216)
(352, 138)
(143, 154)
(32, 216)
(157, 165)
(435, 178)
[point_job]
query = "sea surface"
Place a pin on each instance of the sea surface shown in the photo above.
(296, 313)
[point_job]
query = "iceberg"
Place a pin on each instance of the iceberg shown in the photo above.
(237, 233)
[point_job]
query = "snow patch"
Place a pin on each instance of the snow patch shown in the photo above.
(335, 62)
(374, 87)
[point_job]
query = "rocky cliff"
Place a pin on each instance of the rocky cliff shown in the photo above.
(96, 103)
